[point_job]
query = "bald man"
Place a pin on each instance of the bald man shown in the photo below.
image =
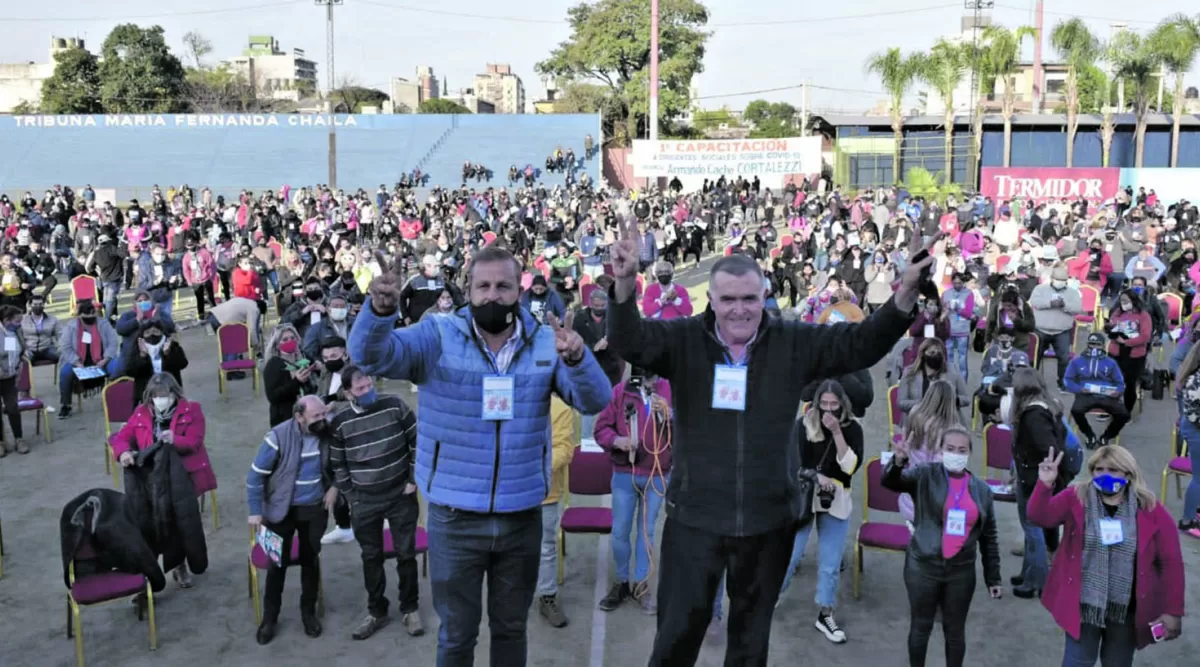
(290, 492)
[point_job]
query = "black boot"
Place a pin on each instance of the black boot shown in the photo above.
(266, 632)
(312, 626)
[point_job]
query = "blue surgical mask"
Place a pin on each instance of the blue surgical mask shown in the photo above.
(145, 306)
(1138, 289)
(367, 399)
(1109, 485)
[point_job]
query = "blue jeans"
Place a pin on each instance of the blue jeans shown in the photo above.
(957, 348)
(111, 291)
(1113, 646)
(831, 545)
(1035, 566)
(273, 278)
(636, 501)
(1062, 350)
(463, 548)
(1191, 435)
(164, 308)
(717, 613)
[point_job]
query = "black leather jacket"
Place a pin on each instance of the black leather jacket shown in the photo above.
(927, 486)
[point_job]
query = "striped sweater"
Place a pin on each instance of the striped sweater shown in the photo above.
(371, 452)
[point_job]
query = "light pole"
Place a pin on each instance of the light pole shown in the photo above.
(653, 120)
(329, 5)
(976, 7)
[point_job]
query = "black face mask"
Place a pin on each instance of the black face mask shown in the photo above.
(494, 317)
(314, 294)
(154, 339)
(88, 319)
(335, 365)
(933, 362)
(318, 427)
(837, 414)
(664, 279)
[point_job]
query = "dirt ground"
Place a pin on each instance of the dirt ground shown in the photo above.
(212, 623)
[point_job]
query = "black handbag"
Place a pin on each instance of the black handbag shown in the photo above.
(802, 504)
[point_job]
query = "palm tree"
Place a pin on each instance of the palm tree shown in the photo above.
(1177, 41)
(1079, 48)
(943, 69)
(1136, 62)
(1002, 60)
(896, 72)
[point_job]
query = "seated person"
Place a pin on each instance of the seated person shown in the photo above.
(999, 361)
(1011, 311)
(1097, 383)
(87, 341)
(930, 367)
(129, 324)
(153, 352)
(932, 323)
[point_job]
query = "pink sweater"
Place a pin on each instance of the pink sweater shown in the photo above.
(652, 308)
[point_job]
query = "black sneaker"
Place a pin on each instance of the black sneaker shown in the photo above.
(312, 626)
(370, 625)
(64, 411)
(616, 595)
(266, 632)
(830, 629)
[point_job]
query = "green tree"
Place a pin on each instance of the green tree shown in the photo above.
(441, 106)
(942, 69)
(706, 121)
(139, 74)
(74, 86)
(1080, 49)
(584, 98)
(1136, 62)
(1002, 60)
(609, 46)
(24, 108)
(197, 47)
(221, 89)
(1177, 41)
(896, 72)
(1093, 90)
(771, 120)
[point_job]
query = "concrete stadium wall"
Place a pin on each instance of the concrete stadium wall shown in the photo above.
(129, 154)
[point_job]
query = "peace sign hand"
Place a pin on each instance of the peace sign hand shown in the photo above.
(624, 252)
(567, 342)
(910, 280)
(1048, 468)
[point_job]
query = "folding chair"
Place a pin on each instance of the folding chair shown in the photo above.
(1174, 307)
(421, 542)
(997, 454)
(84, 288)
(880, 536)
(101, 588)
(1179, 465)
(259, 560)
(895, 414)
(590, 474)
(1090, 296)
(119, 404)
(27, 401)
(233, 339)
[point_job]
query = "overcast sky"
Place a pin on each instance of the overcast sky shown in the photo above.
(778, 43)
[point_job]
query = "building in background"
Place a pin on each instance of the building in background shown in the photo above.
(547, 103)
(970, 29)
(275, 73)
(501, 88)
(469, 99)
(407, 95)
(21, 83)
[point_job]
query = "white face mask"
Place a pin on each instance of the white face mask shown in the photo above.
(955, 462)
(1058, 284)
(338, 314)
(1126, 306)
(163, 403)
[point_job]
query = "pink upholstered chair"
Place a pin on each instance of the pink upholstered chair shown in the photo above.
(259, 560)
(99, 588)
(881, 536)
(590, 474)
(234, 339)
(997, 454)
(1179, 466)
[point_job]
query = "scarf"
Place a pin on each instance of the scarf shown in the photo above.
(96, 346)
(1108, 571)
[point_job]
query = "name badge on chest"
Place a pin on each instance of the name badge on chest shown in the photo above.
(729, 388)
(956, 523)
(1111, 532)
(497, 398)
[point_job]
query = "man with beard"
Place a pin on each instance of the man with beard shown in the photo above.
(487, 373)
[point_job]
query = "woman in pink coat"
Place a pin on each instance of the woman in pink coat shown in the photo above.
(165, 415)
(1117, 583)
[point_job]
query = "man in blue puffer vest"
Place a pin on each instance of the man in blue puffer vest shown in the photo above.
(486, 372)
(1096, 381)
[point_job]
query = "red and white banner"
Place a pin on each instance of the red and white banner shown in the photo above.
(1044, 183)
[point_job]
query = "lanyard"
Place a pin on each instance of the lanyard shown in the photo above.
(957, 496)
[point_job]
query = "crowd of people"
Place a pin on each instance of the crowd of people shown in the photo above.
(553, 312)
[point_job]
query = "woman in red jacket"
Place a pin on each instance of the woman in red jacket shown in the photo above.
(1130, 330)
(246, 281)
(166, 416)
(1116, 584)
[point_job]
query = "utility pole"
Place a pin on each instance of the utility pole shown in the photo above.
(329, 5)
(976, 7)
(804, 109)
(652, 122)
(1039, 24)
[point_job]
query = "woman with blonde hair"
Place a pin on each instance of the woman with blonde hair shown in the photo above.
(287, 373)
(923, 429)
(1117, 584)
(930, 367)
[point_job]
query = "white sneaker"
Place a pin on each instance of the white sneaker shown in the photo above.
(830, 629)
(338, 536)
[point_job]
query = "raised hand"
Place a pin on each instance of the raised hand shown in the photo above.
(567, 342)
(900, 451)
(910, 280)
(1048, 468)
(624, 252)
(385, 291)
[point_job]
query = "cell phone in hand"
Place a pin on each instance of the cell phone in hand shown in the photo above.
(1158, 631)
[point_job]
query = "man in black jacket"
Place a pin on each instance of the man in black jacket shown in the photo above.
(108, 264)
(738, 376)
